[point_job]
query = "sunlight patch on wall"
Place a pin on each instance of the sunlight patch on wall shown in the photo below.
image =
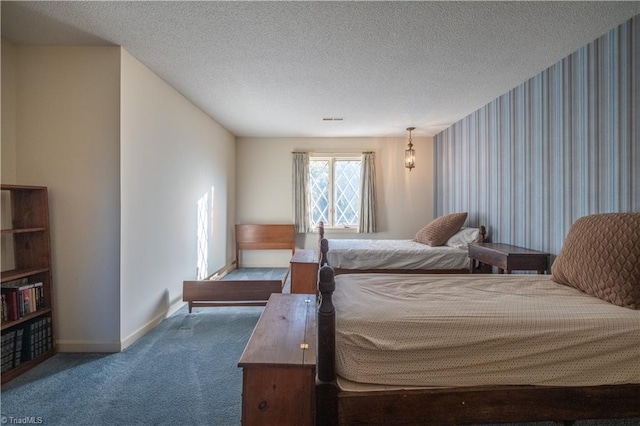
(205, 219)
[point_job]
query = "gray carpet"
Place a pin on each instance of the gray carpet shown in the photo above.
(240, 274)
(182, 373)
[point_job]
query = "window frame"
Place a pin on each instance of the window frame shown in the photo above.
(332, 157)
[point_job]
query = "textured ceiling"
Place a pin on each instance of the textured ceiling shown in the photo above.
(276, 69)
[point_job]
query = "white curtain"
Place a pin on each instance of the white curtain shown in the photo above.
(300, 196)
(368, 193)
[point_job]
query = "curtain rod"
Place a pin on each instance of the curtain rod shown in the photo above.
(334, 152)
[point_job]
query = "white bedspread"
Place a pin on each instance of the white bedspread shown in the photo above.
(473, 330)
(394, 254)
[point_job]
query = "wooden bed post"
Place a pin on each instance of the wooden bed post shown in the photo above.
(482, 237)
(324, 248)
(326, 326)
(323, 244)
(326, 390)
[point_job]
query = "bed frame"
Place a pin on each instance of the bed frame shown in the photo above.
(487, 404)
(324, 248)
(218, 291)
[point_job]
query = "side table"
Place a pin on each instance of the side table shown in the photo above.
(507, 258)
(304, 272)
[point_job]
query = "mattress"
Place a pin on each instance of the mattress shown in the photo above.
(394, 254)
(475, 330)
(262, 274)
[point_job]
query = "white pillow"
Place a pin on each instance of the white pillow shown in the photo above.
(463, 238)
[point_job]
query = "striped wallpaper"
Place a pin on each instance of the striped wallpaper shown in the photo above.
(564, 144)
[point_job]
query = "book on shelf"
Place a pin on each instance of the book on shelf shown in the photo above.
(20, 298)
(25, 342)
(5, 310)
(11, 349)
(40, 337)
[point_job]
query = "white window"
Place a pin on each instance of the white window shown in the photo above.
(334, 190)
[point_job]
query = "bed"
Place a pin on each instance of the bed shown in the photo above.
(235, 285)
(455, 349)
(411, 256)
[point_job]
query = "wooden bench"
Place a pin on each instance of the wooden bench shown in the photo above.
(279, 363)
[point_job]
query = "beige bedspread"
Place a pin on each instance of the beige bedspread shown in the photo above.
(472, 330)
(394, 254)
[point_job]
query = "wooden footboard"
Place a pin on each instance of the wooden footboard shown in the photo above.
(217, 291)
(229, 293)
(487, 404)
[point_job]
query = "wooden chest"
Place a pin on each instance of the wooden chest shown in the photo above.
(279, 363)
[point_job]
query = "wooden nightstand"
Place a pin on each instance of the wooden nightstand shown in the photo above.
(507, 258)
(304, 271)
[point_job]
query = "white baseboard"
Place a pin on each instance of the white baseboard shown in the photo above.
(115, 346)
(133, 337)
(87, 346)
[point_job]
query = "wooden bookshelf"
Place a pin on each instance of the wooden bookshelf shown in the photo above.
(27, 308)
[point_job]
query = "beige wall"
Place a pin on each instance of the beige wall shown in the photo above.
(126, 158)
(8, 152)
(8, 88)
(172, 154)
(405, 198)
(67, 138)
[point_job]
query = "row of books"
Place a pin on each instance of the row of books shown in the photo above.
(20, 298)
(40, 337)
(11, 349)
(26, 342)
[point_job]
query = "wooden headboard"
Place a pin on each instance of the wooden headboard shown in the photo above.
(264, 237)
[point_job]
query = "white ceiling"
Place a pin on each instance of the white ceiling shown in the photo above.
(276, 69)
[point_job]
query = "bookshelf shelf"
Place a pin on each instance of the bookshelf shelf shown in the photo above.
(23, 230)
(27, 317)
(16, 274)
(27, 305)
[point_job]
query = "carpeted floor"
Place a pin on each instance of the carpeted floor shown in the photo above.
(182, 373)
(241, 274)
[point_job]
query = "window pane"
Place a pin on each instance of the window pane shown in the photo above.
(347, 192)
(319, 182)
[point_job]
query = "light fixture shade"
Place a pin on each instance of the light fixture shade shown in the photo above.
(410, 158)
(410, 153)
